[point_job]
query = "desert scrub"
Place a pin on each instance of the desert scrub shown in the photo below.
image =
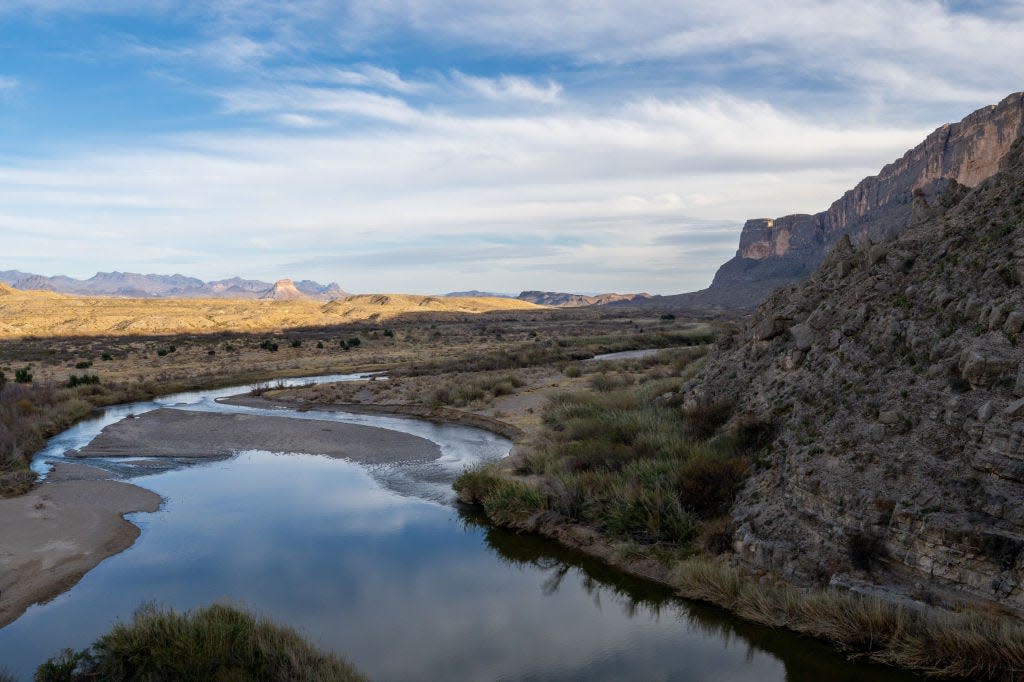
(218, 642)
(29, 414)
(460, 392)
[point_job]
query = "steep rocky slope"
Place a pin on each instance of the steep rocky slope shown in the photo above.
(781, 251)
(895, 378)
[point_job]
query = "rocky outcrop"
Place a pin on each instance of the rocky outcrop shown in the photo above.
(782, 251)
(283, 290)
(895, 378)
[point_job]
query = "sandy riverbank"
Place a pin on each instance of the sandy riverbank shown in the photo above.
(55, 534)
(181, 433)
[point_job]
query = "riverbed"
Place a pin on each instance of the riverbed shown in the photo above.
(376, 563)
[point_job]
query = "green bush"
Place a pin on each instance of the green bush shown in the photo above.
(23, 375)
(353, 342)
(296, 343)
(214, 643)
(106, 357)
(85, 364)
(268, 345)
(84, 380)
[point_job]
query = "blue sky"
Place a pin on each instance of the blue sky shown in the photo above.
(428, 146)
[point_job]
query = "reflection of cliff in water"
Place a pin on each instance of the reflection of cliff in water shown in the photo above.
(805, 659)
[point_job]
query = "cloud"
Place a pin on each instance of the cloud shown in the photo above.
(567, 192)
(291, 104)
(506, 88)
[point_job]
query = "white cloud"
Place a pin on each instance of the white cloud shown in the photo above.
(597, 189)
(506, 88)
(8, 84)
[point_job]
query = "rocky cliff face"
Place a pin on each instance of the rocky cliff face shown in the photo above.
(781, 251)
(895, 378)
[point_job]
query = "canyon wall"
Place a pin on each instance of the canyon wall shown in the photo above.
(782, 251)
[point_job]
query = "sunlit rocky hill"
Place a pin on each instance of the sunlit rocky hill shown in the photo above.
(39, 313)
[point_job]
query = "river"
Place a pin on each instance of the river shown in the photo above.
(377, 564)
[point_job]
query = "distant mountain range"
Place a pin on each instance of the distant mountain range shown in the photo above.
(475, 293)
(563, 300)
(134, 285)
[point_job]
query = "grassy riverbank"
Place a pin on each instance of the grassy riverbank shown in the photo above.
(624, 473)
(218, 642)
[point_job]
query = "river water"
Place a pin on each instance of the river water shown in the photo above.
(377, 564)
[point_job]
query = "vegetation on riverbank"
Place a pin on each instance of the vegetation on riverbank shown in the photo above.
(218, 642)
(625, 473)
(624, 461)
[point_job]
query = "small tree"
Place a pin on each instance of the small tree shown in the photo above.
(23, 375)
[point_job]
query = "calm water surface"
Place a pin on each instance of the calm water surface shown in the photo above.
(376, 564)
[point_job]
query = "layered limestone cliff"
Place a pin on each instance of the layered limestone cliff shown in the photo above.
(781, 251)
(895, 378)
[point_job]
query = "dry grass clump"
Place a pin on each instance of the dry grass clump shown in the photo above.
(218, 642)
(959, 645)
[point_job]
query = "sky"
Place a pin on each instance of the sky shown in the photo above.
(436, 145)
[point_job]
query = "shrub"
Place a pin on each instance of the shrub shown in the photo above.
(706, 417)
(85, 364)
(23, 375)
(572, 371)
(668, 316)
(708, 483)
(353, 342)
(604, 383)
(388, 332)
(106, 357)
(3, 379)
(268, 345)
(218, 642)
(319, 344)
(296, 343)
(84, 380)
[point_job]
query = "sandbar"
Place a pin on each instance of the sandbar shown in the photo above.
(191, 434)
(53, 535)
